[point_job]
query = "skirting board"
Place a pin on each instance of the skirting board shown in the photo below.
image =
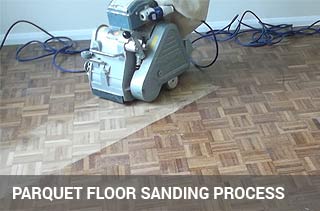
(295, 21)
(21, 38)
(85, 34)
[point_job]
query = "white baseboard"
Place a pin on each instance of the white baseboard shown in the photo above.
(85, 34)
(21, 38)
(296, 21)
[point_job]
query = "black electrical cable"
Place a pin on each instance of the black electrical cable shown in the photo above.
(212, 35)
(68, 47)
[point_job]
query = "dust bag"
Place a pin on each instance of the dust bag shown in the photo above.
(188, 13)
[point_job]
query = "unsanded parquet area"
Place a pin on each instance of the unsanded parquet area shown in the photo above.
(264, 120)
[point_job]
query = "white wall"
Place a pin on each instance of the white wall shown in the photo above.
(222, 10)
(76, 18)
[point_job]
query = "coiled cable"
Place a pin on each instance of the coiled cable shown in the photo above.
(68, 47)
(265, 35)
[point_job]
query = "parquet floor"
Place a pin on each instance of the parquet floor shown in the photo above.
(50, 120)
(264, 120)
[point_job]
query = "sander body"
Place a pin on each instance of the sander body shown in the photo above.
(137, 53)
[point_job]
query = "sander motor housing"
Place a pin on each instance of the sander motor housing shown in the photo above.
(137, 54)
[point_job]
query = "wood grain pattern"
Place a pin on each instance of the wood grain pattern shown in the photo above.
(264, 120)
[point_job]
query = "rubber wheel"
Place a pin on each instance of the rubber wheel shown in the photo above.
(172, 84)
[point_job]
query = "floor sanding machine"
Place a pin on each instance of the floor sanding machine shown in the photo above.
(142, 49)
